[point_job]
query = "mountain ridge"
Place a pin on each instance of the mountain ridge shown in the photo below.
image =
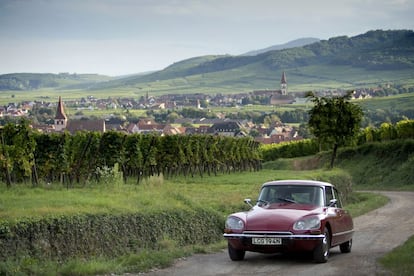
(374, 56)
(377, 56)
(291, 44)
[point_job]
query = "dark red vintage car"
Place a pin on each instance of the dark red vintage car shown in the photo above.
(291, 216)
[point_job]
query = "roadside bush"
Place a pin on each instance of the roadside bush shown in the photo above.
(84, 236)
(289, 149)
(341, 179)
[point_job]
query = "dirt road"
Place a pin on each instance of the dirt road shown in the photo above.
(376, 233)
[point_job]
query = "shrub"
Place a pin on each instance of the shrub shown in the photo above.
(87, 235)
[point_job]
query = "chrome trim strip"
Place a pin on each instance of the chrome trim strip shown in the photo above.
(290, 237)
(268, 232)
(343, 233)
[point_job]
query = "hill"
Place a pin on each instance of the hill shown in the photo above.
(291, 44)
(369, 59)
(374, 58)
(32, 81)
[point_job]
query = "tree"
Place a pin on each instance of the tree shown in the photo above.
(334, 121)
(172, 117)
(17, 152)
(271, 119)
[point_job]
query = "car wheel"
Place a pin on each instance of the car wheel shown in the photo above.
(321, 252)
(236, 254)
(346, 246)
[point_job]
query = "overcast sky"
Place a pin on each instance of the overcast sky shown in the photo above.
(117, 37)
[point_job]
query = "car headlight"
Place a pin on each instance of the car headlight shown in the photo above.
(234, 223)
(307, 223)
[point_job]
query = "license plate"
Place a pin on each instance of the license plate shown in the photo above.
(267, 241)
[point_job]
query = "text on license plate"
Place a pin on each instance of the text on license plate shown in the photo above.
(267, 241)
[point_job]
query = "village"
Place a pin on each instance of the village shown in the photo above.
(275, 132)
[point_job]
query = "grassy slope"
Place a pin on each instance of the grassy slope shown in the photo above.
(386, 166)
(238, 80)
(255, 77)
(396, 102)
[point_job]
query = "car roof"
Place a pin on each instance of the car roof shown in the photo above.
(297, 182)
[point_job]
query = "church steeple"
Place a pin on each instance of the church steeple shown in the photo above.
(60, 119)
(283, 84)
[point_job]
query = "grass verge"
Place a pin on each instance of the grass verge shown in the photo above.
(143, 261)
(364, 202)
(400, 260)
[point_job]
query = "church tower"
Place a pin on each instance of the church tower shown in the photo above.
(60, 118)
(283, 84)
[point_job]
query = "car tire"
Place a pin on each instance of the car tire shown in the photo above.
(346, 246)
(235, 254)
(321, 252)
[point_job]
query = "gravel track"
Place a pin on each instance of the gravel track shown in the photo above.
(376, 233)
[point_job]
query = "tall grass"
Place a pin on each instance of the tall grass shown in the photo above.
(222, 192)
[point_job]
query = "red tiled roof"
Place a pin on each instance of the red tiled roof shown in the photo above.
(86, 125)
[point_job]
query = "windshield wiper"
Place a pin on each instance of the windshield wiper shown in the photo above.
(286, 200)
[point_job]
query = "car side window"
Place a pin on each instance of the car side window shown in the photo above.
(338, 199)
(328, 195)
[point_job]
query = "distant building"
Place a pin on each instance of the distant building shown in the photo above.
(61, 119)
(148, 125)
(62, 123)
(277, 96)
(171, 130)
(74, 126)
(283, 84)
(230, 128)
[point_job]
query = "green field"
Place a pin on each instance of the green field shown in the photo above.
(242, 79)
(395, 102)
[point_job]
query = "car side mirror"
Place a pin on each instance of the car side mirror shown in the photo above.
(248, 201)
(332, 202)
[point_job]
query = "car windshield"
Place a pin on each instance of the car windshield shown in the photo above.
(301, 194)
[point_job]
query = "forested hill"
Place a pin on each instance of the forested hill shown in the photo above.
(375, 52)
(31, 81)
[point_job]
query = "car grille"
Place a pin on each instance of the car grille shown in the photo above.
(268, 233)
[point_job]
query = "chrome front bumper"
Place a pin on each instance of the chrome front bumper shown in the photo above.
(282, 235)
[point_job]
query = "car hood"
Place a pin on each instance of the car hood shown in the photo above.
(278, 217)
